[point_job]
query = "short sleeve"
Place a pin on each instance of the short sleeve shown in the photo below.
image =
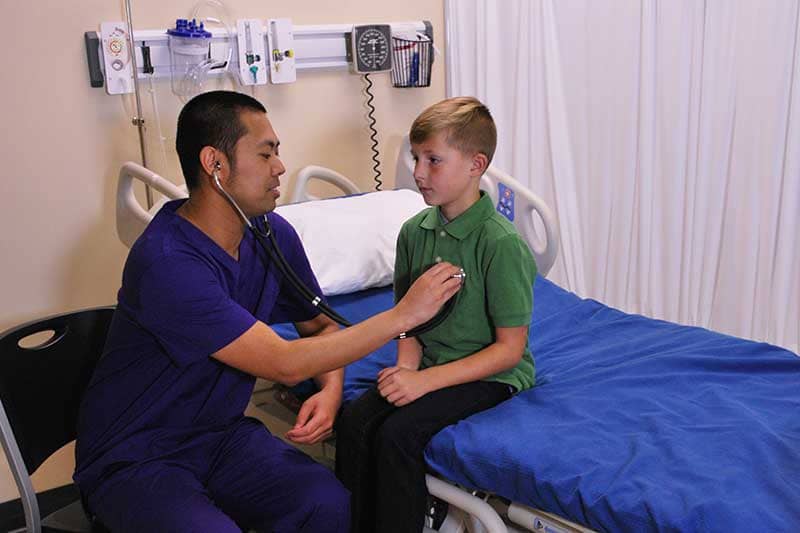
(509, 282)
(185, 306)
(290, 306)
(402, 268)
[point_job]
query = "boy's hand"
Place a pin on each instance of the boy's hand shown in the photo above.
(407, 365)
(401, 386)
(315, 419)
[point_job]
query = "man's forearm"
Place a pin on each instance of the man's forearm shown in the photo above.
(259, 351)
(311, 356)
(332, 381)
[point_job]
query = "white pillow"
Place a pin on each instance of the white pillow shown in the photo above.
(351, 241)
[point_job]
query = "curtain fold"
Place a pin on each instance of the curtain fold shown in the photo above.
(666, 138)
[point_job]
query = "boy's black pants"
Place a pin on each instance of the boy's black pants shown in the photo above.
(379, 451)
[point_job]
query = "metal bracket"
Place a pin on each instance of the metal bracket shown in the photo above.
(92, 43)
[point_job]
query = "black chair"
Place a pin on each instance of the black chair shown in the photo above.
(40, 393)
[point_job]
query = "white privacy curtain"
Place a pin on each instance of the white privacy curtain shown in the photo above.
(665, 135)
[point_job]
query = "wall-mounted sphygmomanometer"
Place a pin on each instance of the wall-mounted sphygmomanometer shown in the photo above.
(371, 47)
(407, 54)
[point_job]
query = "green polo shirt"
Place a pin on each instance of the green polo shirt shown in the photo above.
(498, 291)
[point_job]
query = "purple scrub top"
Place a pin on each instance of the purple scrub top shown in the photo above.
(156, 393)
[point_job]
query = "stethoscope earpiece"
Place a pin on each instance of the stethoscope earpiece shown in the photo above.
(215, 175)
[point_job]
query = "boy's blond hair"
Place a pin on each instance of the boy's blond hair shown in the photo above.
(467, 123)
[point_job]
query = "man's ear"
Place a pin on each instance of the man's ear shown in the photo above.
(479, 164)
(212, 160)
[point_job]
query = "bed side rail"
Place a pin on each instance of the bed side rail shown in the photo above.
(132, 218)
(312, 172)
(535, 520)
(488, 521)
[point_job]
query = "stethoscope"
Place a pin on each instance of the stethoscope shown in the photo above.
(278, 259)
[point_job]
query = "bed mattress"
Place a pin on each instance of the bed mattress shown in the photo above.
(634, 424)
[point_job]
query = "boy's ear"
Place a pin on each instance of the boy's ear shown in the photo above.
(479, 164)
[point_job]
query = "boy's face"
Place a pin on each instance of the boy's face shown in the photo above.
(444, 175)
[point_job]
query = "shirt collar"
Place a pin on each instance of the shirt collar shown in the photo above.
(199, 238)
(463, 224)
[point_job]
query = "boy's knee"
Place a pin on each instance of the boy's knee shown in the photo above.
(393, 436)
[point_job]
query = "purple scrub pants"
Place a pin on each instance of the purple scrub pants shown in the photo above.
(252, 480)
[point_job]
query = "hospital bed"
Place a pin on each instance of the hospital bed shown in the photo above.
(635, 424)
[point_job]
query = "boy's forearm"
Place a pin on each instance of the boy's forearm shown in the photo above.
(492, 360)
(409, 353)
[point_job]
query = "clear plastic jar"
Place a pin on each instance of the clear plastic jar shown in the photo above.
(189, 53)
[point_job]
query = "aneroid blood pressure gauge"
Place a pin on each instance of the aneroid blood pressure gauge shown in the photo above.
(372, 48)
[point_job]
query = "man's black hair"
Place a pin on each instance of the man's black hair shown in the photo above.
(211, 119)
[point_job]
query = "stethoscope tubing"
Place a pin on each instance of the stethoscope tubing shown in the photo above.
(274, 252)
(279, 260)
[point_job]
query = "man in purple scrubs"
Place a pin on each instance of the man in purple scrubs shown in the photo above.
(163, 443)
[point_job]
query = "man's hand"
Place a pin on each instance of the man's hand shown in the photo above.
(428, 293)
(401, 386)
(315, 419)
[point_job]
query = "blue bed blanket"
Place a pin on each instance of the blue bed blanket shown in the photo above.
(635, 424)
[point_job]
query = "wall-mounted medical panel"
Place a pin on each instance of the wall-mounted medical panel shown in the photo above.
(310, 47)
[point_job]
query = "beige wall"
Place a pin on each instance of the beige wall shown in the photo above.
(64, 142)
